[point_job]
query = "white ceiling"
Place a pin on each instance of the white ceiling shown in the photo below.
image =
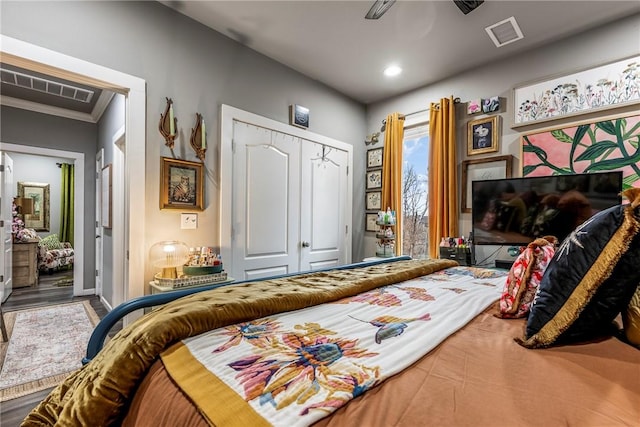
(330, 41)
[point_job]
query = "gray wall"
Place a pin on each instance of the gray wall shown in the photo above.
(110, 123)
(608, 43)
(42, 169)
(24, 127)
(199, 69)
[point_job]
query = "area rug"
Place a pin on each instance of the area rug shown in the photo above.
(64, 281)
(45, 345)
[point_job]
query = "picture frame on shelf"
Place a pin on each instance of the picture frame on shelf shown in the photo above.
(371, 222)
(482, 135)
(496, 167)
(373, 200)
(374, 179)
(602, 87)
(299, 116)
(374, 158)
(181, 184)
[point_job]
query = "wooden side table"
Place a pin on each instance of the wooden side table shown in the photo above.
(25, 264)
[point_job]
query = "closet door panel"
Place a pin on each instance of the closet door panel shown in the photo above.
(324, 199)
(266, 190)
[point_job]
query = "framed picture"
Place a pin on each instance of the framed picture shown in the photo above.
(181, 185)
(374, 179)
(374, 158)
(39, 192)
(106, 195)
(602, 87)
(474, 106)
(491, 105)
(477, 170)
(299, 116)
(371, 222)
(373, 200)
(482, 135)
(605, 144)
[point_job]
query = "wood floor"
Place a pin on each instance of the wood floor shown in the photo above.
(12, 412)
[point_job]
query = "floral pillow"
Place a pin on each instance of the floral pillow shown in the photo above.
(51, 242)
(26, 235)
(525, 276)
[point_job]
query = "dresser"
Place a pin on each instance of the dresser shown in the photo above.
(25, 264)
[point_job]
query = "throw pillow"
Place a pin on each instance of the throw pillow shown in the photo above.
(590, 279)
(51, 242)
(631, 319)
(524, 277)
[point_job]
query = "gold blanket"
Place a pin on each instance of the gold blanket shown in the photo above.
(98, 393)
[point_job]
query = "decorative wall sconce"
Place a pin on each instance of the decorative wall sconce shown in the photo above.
(168, 124)
(198, 138)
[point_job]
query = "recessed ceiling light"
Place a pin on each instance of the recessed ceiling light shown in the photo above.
(392, 70)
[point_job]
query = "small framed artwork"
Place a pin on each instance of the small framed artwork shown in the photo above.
(371, 222)
(374, 158)
(299, 116)
(181, 185)
(482, 135)
(374, 179)
(491, 105)
(106, 196)
(497, 167)
(39, 192)
(474, 106)
(373, 200)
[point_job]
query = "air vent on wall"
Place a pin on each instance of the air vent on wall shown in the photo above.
(504, 32)
(47, 86)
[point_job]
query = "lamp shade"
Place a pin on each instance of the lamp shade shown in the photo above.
(24, 204)
(168, 255)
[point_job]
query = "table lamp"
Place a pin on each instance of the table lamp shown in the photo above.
(24, 205)
(168, 255)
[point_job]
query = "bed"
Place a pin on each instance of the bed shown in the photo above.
(398, 343)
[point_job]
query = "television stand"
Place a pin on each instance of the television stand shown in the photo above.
(504, 263)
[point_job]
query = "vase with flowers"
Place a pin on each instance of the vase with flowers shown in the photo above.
(18, 230)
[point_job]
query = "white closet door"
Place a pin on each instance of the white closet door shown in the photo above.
(323, 211)
(266, 188)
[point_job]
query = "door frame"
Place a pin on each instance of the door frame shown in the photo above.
(26, 55)
(99, 229)
(228, 115)
(78, 206)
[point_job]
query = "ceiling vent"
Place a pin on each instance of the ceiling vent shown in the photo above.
(504, 32)
(46, 86)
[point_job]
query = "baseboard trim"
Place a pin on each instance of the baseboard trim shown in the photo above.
(105, 303)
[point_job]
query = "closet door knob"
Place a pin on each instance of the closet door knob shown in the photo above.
(305, 244)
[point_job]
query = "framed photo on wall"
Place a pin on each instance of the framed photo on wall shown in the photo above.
(374, 179)
(370, 220)
(181, 185)
(482, 135)
(373, 200)
(39, 192)
(482, 169)
(374, 158)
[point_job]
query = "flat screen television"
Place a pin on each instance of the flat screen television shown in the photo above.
(515, 211)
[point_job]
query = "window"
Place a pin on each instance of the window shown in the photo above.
(415, 159)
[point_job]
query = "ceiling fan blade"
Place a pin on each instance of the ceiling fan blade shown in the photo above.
(379, 8)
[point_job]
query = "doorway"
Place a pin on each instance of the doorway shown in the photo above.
(36, 58)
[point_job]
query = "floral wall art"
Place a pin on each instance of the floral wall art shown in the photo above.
(604, 87)
(606, 145)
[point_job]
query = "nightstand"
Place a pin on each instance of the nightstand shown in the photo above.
(25, 264)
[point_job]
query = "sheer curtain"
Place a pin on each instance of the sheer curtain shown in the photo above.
(443, 181)
(66, 203)
(392, 172)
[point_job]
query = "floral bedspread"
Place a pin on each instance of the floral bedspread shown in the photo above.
(294, 368)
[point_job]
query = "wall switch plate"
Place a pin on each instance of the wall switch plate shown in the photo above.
(188, 221)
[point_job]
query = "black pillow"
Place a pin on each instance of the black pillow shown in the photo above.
(590, 279)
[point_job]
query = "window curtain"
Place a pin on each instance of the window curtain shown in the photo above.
(392, 172)
(66, 203)
(443, 182)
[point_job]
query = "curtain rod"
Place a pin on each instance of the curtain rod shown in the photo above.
(403, 116)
